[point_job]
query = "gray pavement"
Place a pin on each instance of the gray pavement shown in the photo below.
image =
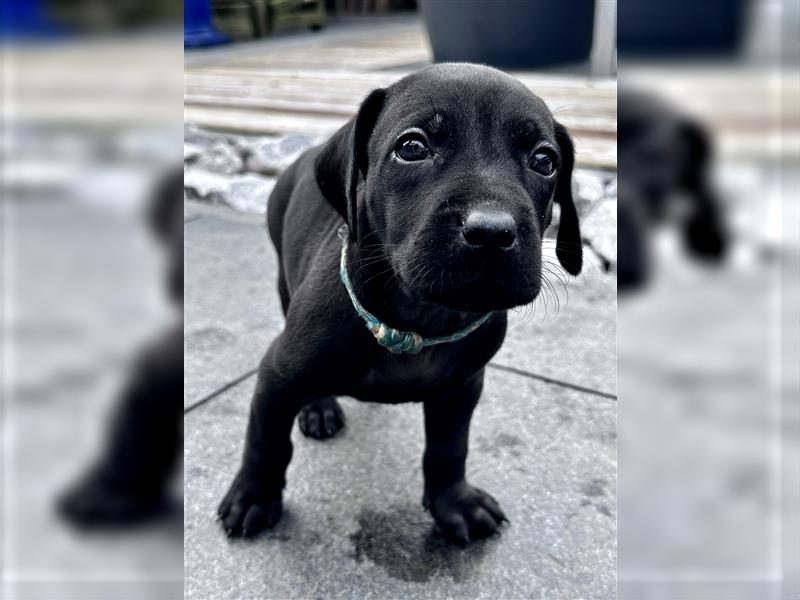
(353, 525)
(700, 433)
(84, 295)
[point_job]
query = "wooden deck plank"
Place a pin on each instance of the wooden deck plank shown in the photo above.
(604, 117)
(336, 59)
(538, 81)
(316, 87)
(354, 91)
(604, 125)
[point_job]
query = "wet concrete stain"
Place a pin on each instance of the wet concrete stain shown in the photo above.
(404, 542)
(594, 488)
(208, 340)
(502, 444)
(605, 437)
(603, 509)
(557, 560)
(592, 491)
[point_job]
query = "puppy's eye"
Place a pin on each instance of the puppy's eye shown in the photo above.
(543, 162)
(411, 147)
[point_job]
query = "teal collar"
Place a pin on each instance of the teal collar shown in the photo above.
(395, 340)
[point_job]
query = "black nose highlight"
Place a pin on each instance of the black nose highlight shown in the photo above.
(490, 228)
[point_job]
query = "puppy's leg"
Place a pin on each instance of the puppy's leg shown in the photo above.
(321, 418)
(254, 500)
(461, 511)
(129, 482)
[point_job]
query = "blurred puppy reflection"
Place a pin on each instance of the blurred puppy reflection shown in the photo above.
(128, 482)
(664, 167)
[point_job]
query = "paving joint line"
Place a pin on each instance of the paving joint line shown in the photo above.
(219, 391)
(493, 365)
(550, 380)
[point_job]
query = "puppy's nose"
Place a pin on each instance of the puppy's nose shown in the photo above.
(490, 228)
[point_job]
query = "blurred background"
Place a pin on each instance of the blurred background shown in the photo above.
(708, 299)
(91, 122)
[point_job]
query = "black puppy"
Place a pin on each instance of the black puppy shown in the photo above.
(663, 154)
(446, 181)
(129, 481)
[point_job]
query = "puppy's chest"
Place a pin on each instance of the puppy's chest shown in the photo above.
(406, 378)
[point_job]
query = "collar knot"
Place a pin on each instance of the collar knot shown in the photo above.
(396, 341)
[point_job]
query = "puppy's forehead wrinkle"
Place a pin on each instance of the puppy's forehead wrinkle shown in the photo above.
(435, 122)
(458, 75)
(405, 114)
(533, 127)
(465, 92)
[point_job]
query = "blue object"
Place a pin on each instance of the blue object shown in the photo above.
(395, 340)
(27, 20)
(198, 30)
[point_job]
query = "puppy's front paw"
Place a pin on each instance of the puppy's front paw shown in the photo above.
(323, 418)
(246, 510)
(465, 513)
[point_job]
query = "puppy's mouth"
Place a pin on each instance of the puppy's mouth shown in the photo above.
(477, 292)
(480, 296)
(447, 271)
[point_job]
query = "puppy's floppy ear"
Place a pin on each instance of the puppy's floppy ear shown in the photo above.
(166, 205)
(569, 249)
(344, 158)
(705, 232)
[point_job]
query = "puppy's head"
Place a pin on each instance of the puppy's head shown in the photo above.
(452, 173)
(658, 150)
(664, 163)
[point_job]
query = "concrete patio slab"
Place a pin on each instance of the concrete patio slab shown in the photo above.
(572, 337)
(87, 293)
(354, 526)
(232, 310)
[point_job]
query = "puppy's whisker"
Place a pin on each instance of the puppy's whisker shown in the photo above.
(378, 274)
(560, 278)
(566, 108)
(562, 275)
(419, 274)
(556, 270)
(366, 265)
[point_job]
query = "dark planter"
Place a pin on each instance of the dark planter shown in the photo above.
(509, 33)
(674, 27)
